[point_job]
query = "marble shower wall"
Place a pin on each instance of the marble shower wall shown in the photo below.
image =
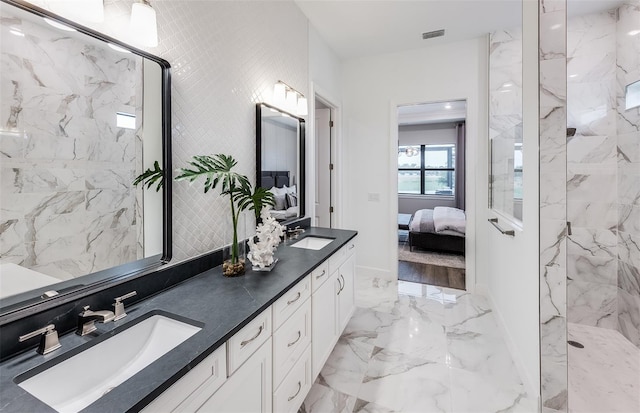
(66, 169)
(591, 170)
(505, 113)
(628, 129)
(553, 204)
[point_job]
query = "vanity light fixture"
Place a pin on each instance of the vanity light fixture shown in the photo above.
(143, 25)
(289, 98)
(83, 10)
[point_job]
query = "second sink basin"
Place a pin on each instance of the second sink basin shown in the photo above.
(78, 381)
(313, 243)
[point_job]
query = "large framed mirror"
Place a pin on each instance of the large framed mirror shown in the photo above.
(280, 160)
(82, 115)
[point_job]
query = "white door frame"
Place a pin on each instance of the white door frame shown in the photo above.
(316, 92)
(470, 195)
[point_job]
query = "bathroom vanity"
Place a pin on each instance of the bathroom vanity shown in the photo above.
(263, 337)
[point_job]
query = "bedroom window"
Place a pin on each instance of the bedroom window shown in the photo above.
(427, 169)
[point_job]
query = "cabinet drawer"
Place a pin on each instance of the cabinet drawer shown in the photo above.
(294, 388)
(195, 387)
(290, 341)
(319, 275)
(290, 302)
(336, 260)
(249, 339)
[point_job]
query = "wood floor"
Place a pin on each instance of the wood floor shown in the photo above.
(431, 274)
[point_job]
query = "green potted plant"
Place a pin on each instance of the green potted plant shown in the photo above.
(218, 170)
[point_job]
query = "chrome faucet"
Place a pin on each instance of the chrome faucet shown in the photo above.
(87, 319)
(295, 232)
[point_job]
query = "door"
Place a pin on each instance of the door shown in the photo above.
(323, 168)
(346, 298)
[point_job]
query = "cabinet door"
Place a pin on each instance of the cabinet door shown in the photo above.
(248, 390)
(324, 318)
(346, 297)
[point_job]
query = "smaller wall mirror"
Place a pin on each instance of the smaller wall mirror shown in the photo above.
(280, 160)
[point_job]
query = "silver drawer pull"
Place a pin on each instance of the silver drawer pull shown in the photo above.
(244, 343)
(323, 273)
(296, 340)
(295, 299)
(340, 284)
(344, 283)
(351, 246)
(294, 396)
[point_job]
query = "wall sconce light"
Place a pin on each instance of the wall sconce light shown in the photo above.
(143, 25)
(83, 10)
(290, 99)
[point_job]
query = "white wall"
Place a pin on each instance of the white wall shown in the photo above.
(373, 87)
(513, 277)
(325, 76)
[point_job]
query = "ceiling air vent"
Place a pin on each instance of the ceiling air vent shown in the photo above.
(431, 35)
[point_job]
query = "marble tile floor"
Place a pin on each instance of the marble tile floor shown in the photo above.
(418, 348)
(604, 376)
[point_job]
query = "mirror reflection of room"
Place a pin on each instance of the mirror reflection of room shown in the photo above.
(72, 141)
(431, 173)
(279, 159)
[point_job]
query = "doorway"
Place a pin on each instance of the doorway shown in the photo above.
(431, 193)
(324, 164)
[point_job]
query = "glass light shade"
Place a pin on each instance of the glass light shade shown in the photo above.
(83, 10)
(279, 94)
(143, 26)
(292, 101)
(302, 106)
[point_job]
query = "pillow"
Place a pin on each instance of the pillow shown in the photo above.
(291, 189)
(278, 191)
(292, 200)
(280, 202)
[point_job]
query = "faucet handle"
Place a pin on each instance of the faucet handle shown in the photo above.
(49, 340)
(119, 305)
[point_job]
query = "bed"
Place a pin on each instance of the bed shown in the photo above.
(285, 194)
(440, 229)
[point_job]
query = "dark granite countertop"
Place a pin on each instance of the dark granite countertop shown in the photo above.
(223, 305)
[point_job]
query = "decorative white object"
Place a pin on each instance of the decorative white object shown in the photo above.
(268, 233)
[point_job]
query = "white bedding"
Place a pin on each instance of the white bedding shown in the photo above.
(449, 219)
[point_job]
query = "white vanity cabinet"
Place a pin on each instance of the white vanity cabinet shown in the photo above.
(271, 363)
(332, 305)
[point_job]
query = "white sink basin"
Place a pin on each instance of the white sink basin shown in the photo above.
(312, 243)
(80, 380)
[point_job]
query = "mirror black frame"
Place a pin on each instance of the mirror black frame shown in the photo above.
(301, 156)
(119, 274)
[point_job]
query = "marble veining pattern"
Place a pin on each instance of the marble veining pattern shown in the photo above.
(553, 203)
(66, 167)
(418, 348)
(604, 376)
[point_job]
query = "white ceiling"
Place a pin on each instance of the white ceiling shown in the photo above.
(437, 112)
(357, 28)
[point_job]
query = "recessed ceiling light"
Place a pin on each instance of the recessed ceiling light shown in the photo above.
(448, 106)
(16, 32)
(59, 25)
(634, 32)
(573, 75)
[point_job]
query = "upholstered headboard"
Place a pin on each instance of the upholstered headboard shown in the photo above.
(275, 178)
